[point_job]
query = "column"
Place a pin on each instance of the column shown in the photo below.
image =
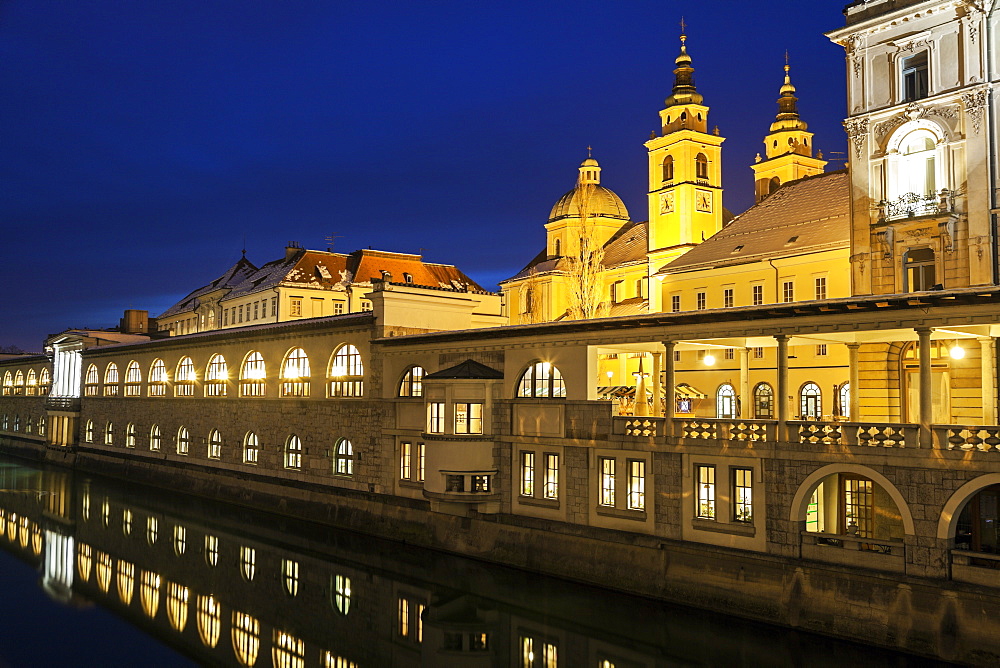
(745, 404)
(854, 409)
(925, 409)
(781, 391)
(989, 374)
(670, 385)
(657, 386)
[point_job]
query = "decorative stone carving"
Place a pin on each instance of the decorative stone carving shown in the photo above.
(859, 259)
(914, 111)
(855, 43)
(857, 130)
(886, 240)
(947, 229)
(975, 106)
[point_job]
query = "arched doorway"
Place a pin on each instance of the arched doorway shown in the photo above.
(978, 526)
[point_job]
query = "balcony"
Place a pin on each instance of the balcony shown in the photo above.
(853, 550)
(68, 404)
(912, 205)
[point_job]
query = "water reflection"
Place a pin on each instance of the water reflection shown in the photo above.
(232, 587)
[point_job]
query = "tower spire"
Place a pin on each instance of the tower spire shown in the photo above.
(788, 103)
(684, 91)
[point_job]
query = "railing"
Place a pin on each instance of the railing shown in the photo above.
(872, 434)
(63, 404)
(911, 205)
(971, 558)
(728, 429)
(969, 438)
(854, 543)
(638, 426)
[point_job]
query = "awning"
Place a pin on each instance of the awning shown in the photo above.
(683, 391)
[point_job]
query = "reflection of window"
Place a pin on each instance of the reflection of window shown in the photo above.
(248, 562)
(177, 606)
(811, 400)
(538, 653)
(705, 480)
(180, 540)
(342, 593)
(290, 574)
(246, 638)
(288, 651)
(918, 270)
(149, 593)
(212, 550)
(209, 620)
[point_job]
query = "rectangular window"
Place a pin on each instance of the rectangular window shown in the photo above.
(758, 295)
(638, 287)
(915, 77)
(607, 467)
(538, 653)
(730, 353)
(551, 490)
(420, 462)
(677, 356)
(338, 308)
(637, 484)
(700, 301)
(727, 298)
(263, 307)
(743, 495)
(274, 306)
(295, 307)
(705, 494)
(858, 507)
(404, 460)
(675, 303)
(821, 287)
(240, 313)
(527, 474)
(256, 310)
(225, 317)
(468, 418)
(435, 423)
(758, 353)
(788, 291)
(821, 350)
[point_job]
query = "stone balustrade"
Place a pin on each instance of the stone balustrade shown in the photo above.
(969, 438)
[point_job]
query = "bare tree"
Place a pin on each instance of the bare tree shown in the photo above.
(585, 264)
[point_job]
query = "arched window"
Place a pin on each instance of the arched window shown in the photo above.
(557, 249)
(111, 380)
(17, 423)
(19, 383)
(811, 401)
(177, 606)
(88, 432)
(918, 270)
(31, 384)
(183, 441)
(212, 550)
(41, 425)
(341, 590)
(763, 402)
(773, 184)
(915, 168)
(44, 382)
(216, 377)
(295, 374)
(290, 576)
(246, 638)
(130, 435)
(84, 560)
(184, 379)
(154, 438)
(412, 384)
(109, 433)
(103, 571)
(133, 380)
(8, 382)
(844, 395)
(209, 616)
(215, 445)
(180, 540)
(541, 380)
(347, 372)
(287, 651)
(725, 402)
(91, 381)
(253, 376)
(701, 166)
(152, 530)
(149, 593)
(157, 379)
(251, 448)
(668, 168)
(293, 453)
(126, 581)
(248, 562)
(343, 458)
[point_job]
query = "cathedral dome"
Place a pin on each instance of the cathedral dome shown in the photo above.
(602, 201)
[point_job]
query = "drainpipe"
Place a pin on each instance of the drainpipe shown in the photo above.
(277, 304)
(776, 293)
(991, 163)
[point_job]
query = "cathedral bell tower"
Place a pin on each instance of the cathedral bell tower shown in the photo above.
(788, 148)
(685, 175)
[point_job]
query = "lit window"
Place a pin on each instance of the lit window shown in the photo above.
(133, 380)
(763, 402)
(788, 291)
(412, 384)
(157, 379)
(149, 593)
(820, 284)
(44, 382)
(758, 295)
(126, 581)
(811, 402)
(527, 474)
(410, 619)
(916, 174)
(103, 571)
(700, 303)
(253, 377)
(845, 400)
(727, 298)
(152, 530)
(209, 620)
(607, 472)
(184, 379)
(246, 638)
(405, 455)
(918, 270)
(295, 307)
(726, 402)
(248, 562)
(212, 550)
(295, 374)
(347, 372)
(435, 422)
(154, 438)
(19, 382)
(109, 433)
(341, 593)
(183, 441)
(705, 480)
(290, 573)
(84, 560)
(217, 377)
(743, 495)
(127, 521)
(110, 380)
(130, 435)
(251, 448)
(180, 540)
(287, 651)
(637, 484)
(343, 460)
(542, 380)
(293, 452)
(468, 418)
(537, 653)
(915, 77)
(551, 487)
(215, 445)
(90, 382)
(177, 606)
(421, 450)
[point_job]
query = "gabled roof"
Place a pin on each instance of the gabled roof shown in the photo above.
(809, 214)
(232, 277)
(466, 370)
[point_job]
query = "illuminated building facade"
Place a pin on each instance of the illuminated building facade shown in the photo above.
(783, 436)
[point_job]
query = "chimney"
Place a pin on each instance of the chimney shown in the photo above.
(134, 322)
(291, 248)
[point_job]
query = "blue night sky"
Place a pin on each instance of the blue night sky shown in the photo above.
(140, 141)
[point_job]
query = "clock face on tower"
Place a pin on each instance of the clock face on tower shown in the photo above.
(703, 200)
(667, 202)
